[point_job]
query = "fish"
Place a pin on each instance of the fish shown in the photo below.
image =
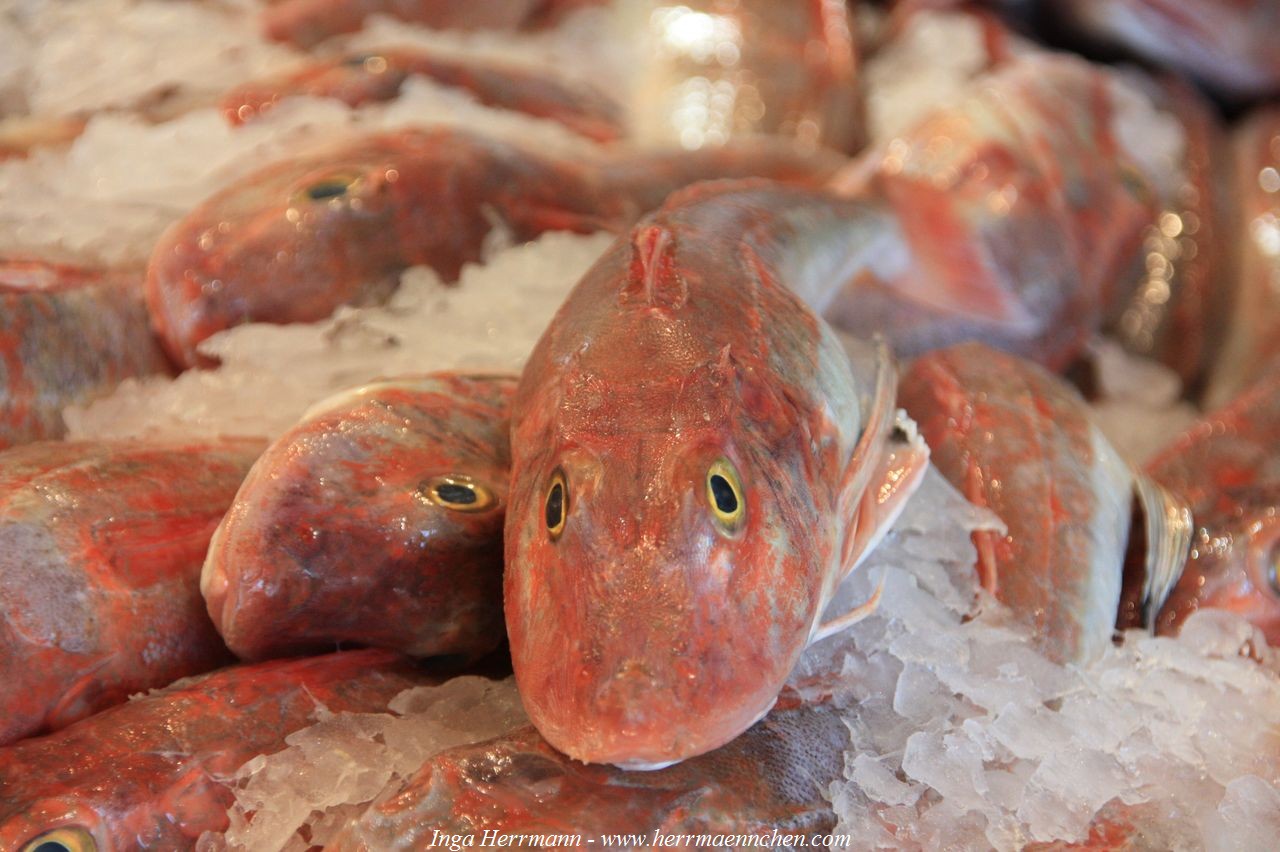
(1226, 466)
(1013, 216)
(770, 781)
(100, 552)
(1016, 439)
(1230, 47)
(1253, 337)
(361, 77)
(68, 334)
(710, 72)
(695, 468)
(155, 773)
(294, 241)
(391, 494)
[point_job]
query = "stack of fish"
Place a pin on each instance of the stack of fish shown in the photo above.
(670, 504)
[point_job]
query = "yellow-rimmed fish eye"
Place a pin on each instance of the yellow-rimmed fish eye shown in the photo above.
(63, 840)
(458, 492)
(556, 509)
(329, 188)
(724, 495)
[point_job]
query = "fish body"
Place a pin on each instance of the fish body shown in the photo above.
(100, 551)
(1013, 216)
(773, 778)
(146, 774)
(296, 240)
(1227, 467)
(685, 486)
(359, 78)
(1016, 439)
(67, 334)
(377, 520)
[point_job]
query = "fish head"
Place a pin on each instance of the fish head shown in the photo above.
(661, 554)
(354, 79)
(59, 824)
(1235, 562)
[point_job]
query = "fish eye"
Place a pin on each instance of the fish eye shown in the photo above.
(63, 840)
(1273, 568)
(556, 510)
(370, 62)
(330, 188)
(458, 492)
(724, 495)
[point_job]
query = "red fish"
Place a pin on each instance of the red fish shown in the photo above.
(1016, 439)
(1227, 467)
(1011, 217)
(145, 775)
(391, 495)
(362, 77)
(293, 242)
(67, 334)
(100, 551)
(694, 470)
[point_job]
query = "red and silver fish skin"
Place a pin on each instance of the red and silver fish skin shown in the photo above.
(1227, 467)
(297, 239)
(1017, 440)
(650, 628)
(144, 775)
(1230, 45)
(67, 334)
(100, 552)
(1010, 217)
(345, 507)
(772, 778)
(377, 76)
(715, 70)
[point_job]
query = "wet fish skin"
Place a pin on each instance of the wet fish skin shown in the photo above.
(100, 548)
(773, 777)
(648, 628)
(296, 240)
(67, 334)
(339, 509)
(145, 775)
(358, 78)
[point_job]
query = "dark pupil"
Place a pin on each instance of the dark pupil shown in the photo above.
(327, 189)
(453, 493)
(555, 505)
(358, 61)
(52, 846)
(722, 491)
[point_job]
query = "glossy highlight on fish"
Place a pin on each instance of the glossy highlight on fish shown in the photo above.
(358, 78)
(100, 551)
(1016, 439)
(694, 470)
(149, 774)
(67, 334)
(296, 240)
(377, 520)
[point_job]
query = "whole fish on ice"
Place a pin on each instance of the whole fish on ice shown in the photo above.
(149, 774)
(377, 520)
(296, 240)
(100, 551)
(694, 470)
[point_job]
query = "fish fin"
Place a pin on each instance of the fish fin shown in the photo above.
(875, 433)
(1169, 527)
(848, 619)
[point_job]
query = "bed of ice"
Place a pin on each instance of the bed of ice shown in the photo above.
(961, 736)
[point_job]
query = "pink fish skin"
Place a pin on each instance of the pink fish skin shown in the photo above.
(100, 551)
(1227, 467)
(1013, 217)
(296, 240)
(146, 774)
(67, 334)
(1229, 45)
(353, 504)
(772, 778)
(1016, 439)
(685, 485)
(377, 76)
